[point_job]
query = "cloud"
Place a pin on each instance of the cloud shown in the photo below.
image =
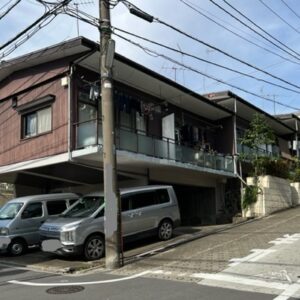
(174, 12)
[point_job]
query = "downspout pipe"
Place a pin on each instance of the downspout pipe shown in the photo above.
(70, 84)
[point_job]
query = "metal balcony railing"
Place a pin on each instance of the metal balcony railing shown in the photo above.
(243, 149)
(139, 142)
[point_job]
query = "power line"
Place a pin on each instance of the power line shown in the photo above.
(9, 9)
(156, 54)
(5, 4)
(192, 6)
(130, 5)
(94, 22)
(34, 27)
(292, 10)
(257, 26)
(204, 60)
(278, 16)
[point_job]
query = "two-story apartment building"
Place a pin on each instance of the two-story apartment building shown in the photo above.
(285, 130)
(51, 132)
(292, 120)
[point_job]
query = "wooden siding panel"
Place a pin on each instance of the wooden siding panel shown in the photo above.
(13, 148)
(31, 76)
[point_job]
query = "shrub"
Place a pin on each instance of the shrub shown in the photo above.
(295, 176)
(273, 167)
(250, 195)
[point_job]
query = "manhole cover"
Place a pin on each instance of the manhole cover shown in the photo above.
(65, 289)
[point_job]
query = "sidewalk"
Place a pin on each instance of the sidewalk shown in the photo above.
(37, 260)
(213, 246)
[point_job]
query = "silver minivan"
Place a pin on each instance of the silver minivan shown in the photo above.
(21, 218)
(80, 229)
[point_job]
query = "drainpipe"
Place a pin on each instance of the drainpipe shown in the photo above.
(235, 139)
(296, 135)
(69, 112)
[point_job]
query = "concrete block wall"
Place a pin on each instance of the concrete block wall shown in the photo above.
(276, 194)
(295, 188)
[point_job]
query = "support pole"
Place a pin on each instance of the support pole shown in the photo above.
(111, 193)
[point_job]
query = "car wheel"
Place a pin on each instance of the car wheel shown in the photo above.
(17, 247)
(165, 230)
(94, 247)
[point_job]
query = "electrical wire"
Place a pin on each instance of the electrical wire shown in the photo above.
(26, 37)
(257, 26)
(9, 9)
(292, 10)
(33, 28)
(203, 60)
(95, 23)
(278, 16)
(147, 51)
(129, 5)
(155, 54)
(7, 3)
(192, 6)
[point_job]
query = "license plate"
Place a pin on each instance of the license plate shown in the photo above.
(4, 242)
(51, 245)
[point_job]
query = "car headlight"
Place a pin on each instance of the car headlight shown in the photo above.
(3, 231)
(68, 236)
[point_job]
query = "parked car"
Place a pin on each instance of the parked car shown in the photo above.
(80, 229)
(21, 218)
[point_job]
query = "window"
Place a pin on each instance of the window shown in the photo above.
(85, 207)
(37, 122)
(162, 196)
(56, 207)
(144, 199)
(33, 210)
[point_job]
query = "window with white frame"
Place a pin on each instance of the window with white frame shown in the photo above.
(37, 122)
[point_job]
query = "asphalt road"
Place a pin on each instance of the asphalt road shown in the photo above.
(257, 260)
(103, 286)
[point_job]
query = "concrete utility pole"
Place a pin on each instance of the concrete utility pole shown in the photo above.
(111, 194)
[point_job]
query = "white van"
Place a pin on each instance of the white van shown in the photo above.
(21, 218)
(80, 229)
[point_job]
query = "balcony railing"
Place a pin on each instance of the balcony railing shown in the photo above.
(243, 149)
(139, 142)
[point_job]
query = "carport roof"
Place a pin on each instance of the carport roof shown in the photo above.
(140, 77)
(245, 110)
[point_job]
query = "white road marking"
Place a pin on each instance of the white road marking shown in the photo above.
(286, 239)
(151, 252)
(256, 255)
(241, 280)
(289, 292)
(78, 283)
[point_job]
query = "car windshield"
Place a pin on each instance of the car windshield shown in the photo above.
(10, 210)
(85, 207)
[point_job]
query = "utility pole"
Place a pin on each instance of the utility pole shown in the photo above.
(111, 193)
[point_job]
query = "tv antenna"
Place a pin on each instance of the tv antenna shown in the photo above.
(76, 4)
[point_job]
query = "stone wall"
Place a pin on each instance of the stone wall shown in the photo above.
(275, 195)
(295, 187)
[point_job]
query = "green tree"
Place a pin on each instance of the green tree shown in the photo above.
(258, 134)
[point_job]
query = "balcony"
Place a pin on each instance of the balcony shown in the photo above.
(243, 149)
(139, 142)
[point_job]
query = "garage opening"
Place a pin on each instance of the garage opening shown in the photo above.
(197, 204)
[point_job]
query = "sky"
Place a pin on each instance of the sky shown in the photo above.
(281, 20)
